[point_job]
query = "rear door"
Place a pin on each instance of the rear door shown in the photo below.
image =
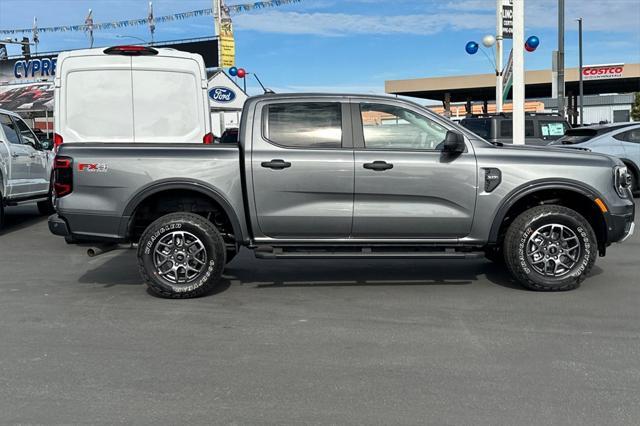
(168, 101)
(405, 186)
(302, 169)
(18, 180)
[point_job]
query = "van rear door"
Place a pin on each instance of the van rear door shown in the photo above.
(168, 101)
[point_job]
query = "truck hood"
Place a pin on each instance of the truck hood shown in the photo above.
(559, 152)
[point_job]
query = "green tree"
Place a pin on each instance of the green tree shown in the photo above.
(635, 108)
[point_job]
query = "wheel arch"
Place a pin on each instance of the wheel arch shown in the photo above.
(569, 193)
(634, 167)
(169, 186)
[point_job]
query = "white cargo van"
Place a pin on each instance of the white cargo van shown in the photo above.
(131, 94)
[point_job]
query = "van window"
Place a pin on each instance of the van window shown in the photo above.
(305, 124)
(99, 106)
(176, 115)
(506, 128)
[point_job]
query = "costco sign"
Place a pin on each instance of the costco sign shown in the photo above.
(599, 72)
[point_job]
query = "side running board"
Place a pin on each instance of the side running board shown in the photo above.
(382, 252)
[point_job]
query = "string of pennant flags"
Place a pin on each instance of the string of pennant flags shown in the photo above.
(150, 20)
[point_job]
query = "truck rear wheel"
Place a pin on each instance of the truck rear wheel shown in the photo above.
(550, 248)
(181, 255)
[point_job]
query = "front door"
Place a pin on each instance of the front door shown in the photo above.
(302, 169)
(405, 186)
(18, 181)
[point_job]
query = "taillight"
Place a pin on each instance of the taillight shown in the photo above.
(57, 141)
(208, 139)
(62, 176)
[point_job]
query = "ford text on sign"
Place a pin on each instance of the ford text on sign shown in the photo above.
(598, 72)
(222, 94)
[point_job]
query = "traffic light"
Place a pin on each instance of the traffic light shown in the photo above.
(3, 52)
(26, 49)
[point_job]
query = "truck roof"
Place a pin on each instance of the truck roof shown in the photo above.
(162, 52)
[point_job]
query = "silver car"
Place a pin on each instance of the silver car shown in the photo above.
(621, 140)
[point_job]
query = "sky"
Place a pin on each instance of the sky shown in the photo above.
(351, 45)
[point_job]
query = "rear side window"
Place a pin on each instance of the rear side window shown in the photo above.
(506, 128)
(9, 128)
(481, 127)
(629, 136)
(99, 107)
(305, 124)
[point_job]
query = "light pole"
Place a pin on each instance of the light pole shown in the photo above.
(518, 72)
(499, 56)
(580, 70)
(561, 57)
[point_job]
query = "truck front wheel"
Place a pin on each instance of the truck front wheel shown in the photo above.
(550, 248)
(181, 255)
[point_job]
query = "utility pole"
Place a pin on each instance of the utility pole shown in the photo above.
(217, 23)
(518, 72)
(499, 56)
(561, 58)
(580, 71)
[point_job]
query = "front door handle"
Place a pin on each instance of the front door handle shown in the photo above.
(15, 155)
(378, 166)
(276, 164)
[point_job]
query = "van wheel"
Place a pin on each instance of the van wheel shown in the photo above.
(181, 255)
(550, 248)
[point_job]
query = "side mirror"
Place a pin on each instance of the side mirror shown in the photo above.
(454, 143)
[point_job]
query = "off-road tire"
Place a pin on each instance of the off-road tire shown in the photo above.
(206, 280)
(529, 222)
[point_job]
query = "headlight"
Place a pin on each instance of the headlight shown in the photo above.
(622, 181)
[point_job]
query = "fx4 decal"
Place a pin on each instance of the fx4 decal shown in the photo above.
(92, 167)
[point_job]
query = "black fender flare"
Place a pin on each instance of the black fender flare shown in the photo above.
(538, 185)
(190, 185)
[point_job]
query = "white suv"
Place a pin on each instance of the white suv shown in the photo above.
(25, 165)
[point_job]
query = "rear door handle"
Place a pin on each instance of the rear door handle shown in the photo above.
(378, 166)
(276, 164)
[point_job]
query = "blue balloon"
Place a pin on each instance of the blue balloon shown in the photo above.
(533, 41)
(471, 48)
(233, 71)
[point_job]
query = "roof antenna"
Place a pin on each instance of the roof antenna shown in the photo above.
(266, 91)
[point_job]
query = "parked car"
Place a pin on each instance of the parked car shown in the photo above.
(25, 166)
(342, 176)
(131, 94)
(621, 140)
(539, 128)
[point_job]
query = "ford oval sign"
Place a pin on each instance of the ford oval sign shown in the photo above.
(222, 94)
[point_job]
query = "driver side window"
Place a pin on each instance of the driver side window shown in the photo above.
(392, 127)
(28, 138)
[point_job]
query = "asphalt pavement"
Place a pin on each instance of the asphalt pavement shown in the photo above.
(311, 342)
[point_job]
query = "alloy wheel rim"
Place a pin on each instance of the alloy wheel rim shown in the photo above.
(179, 257)
(553, 250)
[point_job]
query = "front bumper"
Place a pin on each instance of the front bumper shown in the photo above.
(620, 224)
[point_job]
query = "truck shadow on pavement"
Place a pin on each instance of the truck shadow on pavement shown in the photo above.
(122, 269)
(17, 218)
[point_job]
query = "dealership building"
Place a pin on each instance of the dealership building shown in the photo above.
(608, 92)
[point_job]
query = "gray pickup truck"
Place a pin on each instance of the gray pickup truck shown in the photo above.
(343, 176)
